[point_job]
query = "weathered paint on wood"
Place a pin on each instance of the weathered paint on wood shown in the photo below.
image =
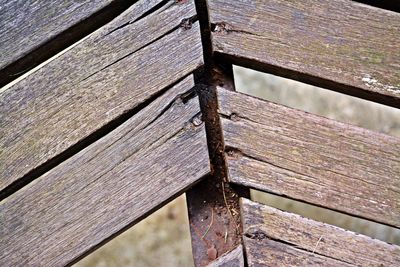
(232, 258)
(310, 158)
(115, 70)
(341, 45)
(276, 238)
(32, 31)
(108, 186)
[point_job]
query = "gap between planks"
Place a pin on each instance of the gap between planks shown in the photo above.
(41, 111)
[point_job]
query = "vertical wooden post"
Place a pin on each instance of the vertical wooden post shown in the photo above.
(213, 204)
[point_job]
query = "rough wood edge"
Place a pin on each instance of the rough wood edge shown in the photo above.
(263, 224)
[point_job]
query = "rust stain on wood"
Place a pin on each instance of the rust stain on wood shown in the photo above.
(214, 196)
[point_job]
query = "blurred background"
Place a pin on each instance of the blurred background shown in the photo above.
(163, 239)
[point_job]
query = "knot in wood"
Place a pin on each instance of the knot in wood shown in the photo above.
(256, 235)
(221, 27)
(186, 23)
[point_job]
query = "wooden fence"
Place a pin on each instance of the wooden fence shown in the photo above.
(110, 109)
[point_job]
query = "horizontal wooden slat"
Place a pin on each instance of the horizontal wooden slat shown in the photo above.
(276, 238)
(341, 45)
(108, 186)
(114, 70)
(32, 31)
(310, 158)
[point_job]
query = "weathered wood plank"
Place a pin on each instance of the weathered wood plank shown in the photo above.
(232, 258)
(272, 253)
(32, 31)
(276, 238)
(310, 158)
(341, 45)
(109, 185)
(115, 70)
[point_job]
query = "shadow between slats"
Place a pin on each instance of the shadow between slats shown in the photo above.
(60, 108)
(108, 186)
(34, 31)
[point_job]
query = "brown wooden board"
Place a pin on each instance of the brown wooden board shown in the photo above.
(111, 184)
(277, 238)
(112, 72)
(341, 45)
(32, 31)
(232, 258)
(309, 158)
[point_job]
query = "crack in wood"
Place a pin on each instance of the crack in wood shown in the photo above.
(182, 25)
(156, 9)
(83, 143)
(57, 43)
(226, 28)
(260, 236)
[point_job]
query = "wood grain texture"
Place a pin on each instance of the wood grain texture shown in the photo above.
(341, 45)
(276, 238)
(32, 31)
(25, 25)
(309, 158)
(232, 258)
(113, 71)
(272, 253)
(108, 186)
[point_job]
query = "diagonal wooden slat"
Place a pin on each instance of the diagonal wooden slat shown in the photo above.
(64, 105)
(108, 186)
(32, 31)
